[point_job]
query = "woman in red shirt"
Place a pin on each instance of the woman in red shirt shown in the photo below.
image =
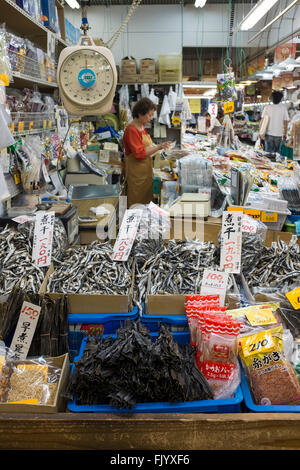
(138, 152)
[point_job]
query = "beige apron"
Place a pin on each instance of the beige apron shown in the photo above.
(139, 177)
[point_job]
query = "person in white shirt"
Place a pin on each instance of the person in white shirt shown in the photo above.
(277, 125)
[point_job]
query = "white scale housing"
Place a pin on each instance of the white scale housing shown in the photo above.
(87, 78)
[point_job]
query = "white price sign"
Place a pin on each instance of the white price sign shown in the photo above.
(26, 326)
(231, 242)
(213, 110)
(214, 282)
(43, 238)
(249, 225)
(127, 234)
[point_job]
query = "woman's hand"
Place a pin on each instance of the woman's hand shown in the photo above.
(164, 146)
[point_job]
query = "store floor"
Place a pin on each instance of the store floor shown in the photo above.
(72, 431)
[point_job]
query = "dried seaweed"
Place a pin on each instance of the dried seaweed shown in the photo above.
(132, 368)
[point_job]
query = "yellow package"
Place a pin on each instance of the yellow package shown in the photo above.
(270, 375)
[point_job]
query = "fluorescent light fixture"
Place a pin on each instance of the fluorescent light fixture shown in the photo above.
(200, 3)
(256, 13)
(73, 3)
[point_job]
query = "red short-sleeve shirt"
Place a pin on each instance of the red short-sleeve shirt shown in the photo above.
(133, 142)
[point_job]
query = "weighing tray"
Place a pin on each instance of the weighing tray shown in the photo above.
(93, 191)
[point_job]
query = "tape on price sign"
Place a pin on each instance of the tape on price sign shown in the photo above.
(214, 282)
(228, 107)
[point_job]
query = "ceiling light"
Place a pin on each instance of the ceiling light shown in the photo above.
(256, 13)
(73, 3)
(200, 3)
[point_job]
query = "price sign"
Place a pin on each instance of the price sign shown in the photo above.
(255, 213)
(249, 225)
(214, 282)
(213, 110)
(31, 124)
(24, 332)
(231, 242)
(269, 217)
(228, 107)
(294, 297)
(261, 316)
(43, 238)
(21, 126)
(127, 234)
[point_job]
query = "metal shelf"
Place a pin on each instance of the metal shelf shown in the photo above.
(34, 131)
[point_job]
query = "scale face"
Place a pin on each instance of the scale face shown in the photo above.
(87, 79)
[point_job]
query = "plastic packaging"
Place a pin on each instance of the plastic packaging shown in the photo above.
(269, 373)
(33, 381)
(5, 67)
(195, 174)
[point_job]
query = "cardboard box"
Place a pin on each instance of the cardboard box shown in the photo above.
(128, 66)
(127, 78)
(93, 303)
(147, 66)
(148, 78)
(61, 19)
(59, 404)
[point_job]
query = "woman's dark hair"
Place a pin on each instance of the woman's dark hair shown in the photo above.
(207, 114)
(143, 106)
(277, 96)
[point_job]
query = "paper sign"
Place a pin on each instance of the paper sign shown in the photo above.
(294, 297)
(228, 107)
(104, 135)
(249, 225)
(26, 326)
(195, 106)
(110, 146)
(231, 242)
(104, 156)
(262, 316)
(255, 213)
(213, 110)
(268, 217)
(127, 234)
(214, 282)
(42, 238)
(21, 219)
(155, 208)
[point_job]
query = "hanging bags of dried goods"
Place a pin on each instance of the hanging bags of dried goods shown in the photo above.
(269, 374)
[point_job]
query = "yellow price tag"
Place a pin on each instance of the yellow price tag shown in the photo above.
(12, 127)
(50, 124)
(17, 178)
(235, 208)
(269, 217)
(262, 316)
(294, 297)
(259, 343)
(21, 126)
(228, 107)
(176, 121)
(31, 124)
(44, 124)
(255, 213)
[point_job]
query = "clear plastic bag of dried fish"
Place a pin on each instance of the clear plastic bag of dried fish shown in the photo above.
(89, 269)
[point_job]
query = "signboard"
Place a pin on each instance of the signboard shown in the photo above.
(231, 242)
(228, 107)
(24, 332)
(127, 234)
(43, 238)
(214, 282)
(213, 110)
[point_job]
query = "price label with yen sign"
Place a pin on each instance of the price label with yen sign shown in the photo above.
(228, 107)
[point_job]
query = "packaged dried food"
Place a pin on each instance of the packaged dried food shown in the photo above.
(269, 374)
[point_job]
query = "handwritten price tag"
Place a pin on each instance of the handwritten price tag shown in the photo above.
(127, 234)
(43, 238)
(294, 297)
(231, 242)
(228, 107)
(214, 282)
(24, 332)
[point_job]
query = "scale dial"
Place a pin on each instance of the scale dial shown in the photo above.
(86, 77)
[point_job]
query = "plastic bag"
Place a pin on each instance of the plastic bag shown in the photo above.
(172, 98)
(269, 373)
(164, 116)
(5, 67)
(33, 381)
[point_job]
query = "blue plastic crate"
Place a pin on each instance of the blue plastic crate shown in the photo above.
(175, 322)
(91, 323)
(228, 405)
(252, 407)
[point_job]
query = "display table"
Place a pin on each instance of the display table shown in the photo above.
(72, 431)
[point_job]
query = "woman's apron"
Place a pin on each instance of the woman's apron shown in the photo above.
(139, 177)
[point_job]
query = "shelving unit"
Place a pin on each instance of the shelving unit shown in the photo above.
(22, 81)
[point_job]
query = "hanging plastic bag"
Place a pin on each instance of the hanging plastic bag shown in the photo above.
(172, 98)
(164, 117)
(154, 100)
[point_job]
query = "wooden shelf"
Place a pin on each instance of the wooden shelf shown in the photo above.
(18, 20)
(21, 80)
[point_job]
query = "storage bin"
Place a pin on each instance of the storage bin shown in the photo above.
(175, 322)
(169, 68)
(228, 405)
(252, 407)
(83, 324)
(281, 218)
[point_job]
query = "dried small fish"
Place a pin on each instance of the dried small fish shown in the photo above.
(89, 269)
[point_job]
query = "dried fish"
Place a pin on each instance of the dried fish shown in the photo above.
(89, 269)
